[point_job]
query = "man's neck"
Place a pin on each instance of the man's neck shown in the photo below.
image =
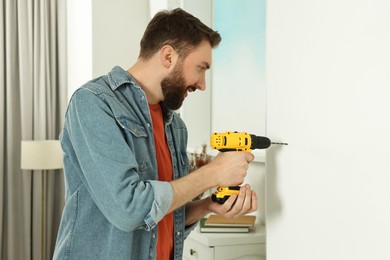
(147, 75)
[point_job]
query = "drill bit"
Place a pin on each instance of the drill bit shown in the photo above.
(279, 143)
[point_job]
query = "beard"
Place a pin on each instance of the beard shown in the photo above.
(174, 89)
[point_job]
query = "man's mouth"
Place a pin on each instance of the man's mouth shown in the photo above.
(189, 89)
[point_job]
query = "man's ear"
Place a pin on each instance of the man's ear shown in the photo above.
(168, 56)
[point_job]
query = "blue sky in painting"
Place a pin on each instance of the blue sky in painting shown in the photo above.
(242, 27)
(238, 70)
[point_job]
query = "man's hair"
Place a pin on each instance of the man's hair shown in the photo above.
(178, 29)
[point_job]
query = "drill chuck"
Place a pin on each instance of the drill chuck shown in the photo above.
(260, 142)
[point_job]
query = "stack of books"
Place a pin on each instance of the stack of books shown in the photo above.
(219, 224)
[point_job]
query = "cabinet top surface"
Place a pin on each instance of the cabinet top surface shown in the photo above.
(255, 236)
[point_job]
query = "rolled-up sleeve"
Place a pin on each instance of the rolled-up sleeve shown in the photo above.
(163, 195)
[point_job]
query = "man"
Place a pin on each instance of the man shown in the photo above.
(128, 195)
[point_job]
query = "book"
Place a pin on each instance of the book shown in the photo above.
(242, 221)
(220, 229)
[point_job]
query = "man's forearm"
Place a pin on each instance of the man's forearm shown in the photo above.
(196, 210)
(187, 188)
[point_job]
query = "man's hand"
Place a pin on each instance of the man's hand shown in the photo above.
(230, 168)
(235, 206)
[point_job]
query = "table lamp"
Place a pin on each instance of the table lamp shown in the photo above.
(41, 155)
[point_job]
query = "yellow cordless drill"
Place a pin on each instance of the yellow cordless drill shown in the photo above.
(235, 141)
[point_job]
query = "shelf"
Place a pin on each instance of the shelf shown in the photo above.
(256, 236)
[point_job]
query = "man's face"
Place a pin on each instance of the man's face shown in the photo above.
(188, 75)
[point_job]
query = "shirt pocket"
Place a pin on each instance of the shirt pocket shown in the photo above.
(138, 141)
(132, 126)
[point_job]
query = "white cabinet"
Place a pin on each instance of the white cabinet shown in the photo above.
(222, 246)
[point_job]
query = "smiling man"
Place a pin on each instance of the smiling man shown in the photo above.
(128, 195)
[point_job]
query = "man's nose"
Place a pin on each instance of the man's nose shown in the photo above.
(201, 84)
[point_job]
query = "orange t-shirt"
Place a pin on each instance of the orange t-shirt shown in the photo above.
(165, 173)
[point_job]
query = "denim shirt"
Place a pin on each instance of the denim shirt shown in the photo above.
(113, 198)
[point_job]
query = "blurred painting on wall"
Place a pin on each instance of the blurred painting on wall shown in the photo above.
(238, 74)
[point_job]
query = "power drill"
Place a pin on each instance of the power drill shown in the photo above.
(235, 141)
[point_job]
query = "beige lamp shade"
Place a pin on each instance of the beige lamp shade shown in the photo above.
(41, 155)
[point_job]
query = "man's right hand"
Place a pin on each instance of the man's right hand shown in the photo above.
(230, 168)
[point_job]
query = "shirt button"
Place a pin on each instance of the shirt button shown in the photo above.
(148, 124)
(178, 233)
(154, 236)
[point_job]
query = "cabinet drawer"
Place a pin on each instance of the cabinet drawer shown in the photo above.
(241, 252)
(196, 250)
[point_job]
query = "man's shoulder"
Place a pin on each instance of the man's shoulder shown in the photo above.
(109, 82)
(98, 86)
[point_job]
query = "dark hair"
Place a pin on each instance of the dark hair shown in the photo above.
(178, 29)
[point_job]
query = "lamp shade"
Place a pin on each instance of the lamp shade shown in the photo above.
(41, 155)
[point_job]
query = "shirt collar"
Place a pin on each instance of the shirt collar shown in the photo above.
(168, 114)
(118, 76)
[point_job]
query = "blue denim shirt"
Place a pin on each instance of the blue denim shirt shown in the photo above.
(113, 198)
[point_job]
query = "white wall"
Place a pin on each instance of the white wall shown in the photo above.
(102, 34)
(117, 27)
(79, 40)
(328, 79)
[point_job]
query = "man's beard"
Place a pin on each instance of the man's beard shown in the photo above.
(174, 89)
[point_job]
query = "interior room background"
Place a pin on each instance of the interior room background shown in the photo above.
(327, 65)
(33, 90)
